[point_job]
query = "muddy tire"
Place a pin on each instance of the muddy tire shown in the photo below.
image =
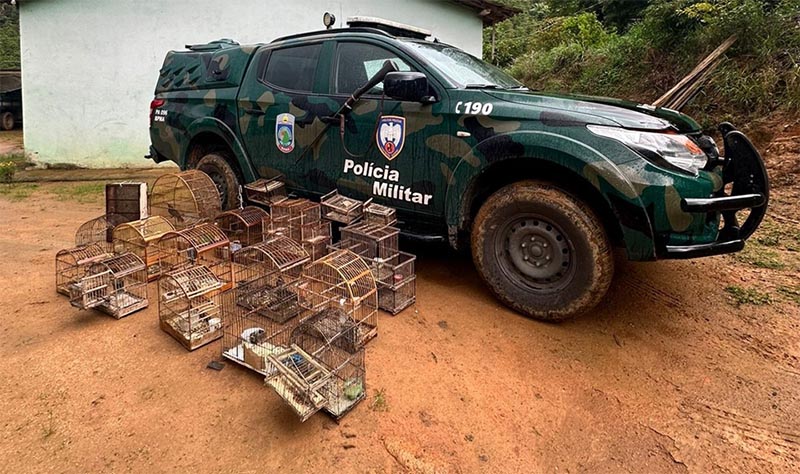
(217, 166)
(541, 251)
(7, 121)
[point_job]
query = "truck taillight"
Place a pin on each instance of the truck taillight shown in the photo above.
(154, 104)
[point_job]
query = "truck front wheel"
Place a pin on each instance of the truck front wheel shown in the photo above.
(7, 121)
(541, 251)
(220, 171)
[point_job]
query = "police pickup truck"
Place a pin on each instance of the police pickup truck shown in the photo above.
(541, 187)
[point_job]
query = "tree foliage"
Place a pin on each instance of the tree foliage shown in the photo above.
(9, 37)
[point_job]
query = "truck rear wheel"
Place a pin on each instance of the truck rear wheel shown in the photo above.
(221, 172)
(7, 121)
(541, 251)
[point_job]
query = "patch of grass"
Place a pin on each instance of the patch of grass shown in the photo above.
(761, 257)
(17, 192)
(84, 192)
(790, 292)
(50, 428)
(741, 296)
(10, 164)
(379, 401)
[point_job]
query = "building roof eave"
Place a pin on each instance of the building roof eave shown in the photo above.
(490, 11)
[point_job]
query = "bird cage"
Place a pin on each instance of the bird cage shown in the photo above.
(280, 257)
(185, 199)
(379, 241)
(141, 238)
(340, 208)
(294, 217)
(380, 215)
(71, 264)
(321, 370)
(266, 192)
(99, 230)
(204, 244)
(317, 237)
(343, 281)
(245, 226)
(117, 286)
(189, 307)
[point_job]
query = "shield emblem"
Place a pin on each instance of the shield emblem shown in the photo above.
(284, 132)
(391, 135)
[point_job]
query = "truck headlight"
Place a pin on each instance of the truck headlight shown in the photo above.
(671, 151)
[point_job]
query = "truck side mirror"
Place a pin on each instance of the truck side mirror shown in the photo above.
(407, 86)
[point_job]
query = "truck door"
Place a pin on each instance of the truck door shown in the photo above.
(383, 153)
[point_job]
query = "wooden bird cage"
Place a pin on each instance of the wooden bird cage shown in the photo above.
(293, 218)
(396, 280)
(189, 306)
(245, 226)
(141, 238)
(379, 215)
(379, 241)
(340, 208)
(204, 244)
(344, 282)
(317, 238)
(99, 230)
(266, 192)
(321, 369)
(71, 264)
(117, 286)
(280, 257)
(185, 199)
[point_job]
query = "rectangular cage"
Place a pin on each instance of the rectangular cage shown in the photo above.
(316, 237)
(204, 244)
(128, 200)
(394, 298)
(141, 238)
(379, 241)
(340, 208)
(116, 286)
(379, 215)
(266, 192)
(395, 269)
(245, 226)
(321, 370)
(189, 306)
(293, 217)
(72, 264)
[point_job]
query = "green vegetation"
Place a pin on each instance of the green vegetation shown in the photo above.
(379, 401)
(639, 49)
(791, 292)
(760, 256)
(741, 296)
(17, 191)
(80, 192)
(9, 37)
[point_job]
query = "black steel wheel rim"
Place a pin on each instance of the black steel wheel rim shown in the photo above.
(535, 254)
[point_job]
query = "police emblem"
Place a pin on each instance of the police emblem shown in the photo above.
(391, 135)
(284, 132)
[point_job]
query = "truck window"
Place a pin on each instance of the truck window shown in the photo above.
(356, 63)
(293, 68)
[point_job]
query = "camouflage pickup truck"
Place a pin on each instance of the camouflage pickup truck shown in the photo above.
(541, 187)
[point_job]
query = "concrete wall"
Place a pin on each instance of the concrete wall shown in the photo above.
(89, 66)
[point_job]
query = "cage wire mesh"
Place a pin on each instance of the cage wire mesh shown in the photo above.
(379, 214)
(141, 238)
(266, 192)
(203, 244)
(340, 208)
(72, 263)
(245, 226)
(99, 230)
(396, 280)
(377, 241)
(188, 306)
(185, 199)
(279, 257)
(117, 286)
(291, 217)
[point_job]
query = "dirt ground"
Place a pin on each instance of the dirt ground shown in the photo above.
(685, 367)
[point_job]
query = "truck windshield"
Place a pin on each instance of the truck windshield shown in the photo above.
(462, 68)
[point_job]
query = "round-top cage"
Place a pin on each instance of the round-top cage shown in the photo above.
(341, 274)
(99, 230)
(71, 264)
(141, 238)
(204, 244)
(188, 306)
(117, 286)
(185, 198)
(245, 226)
(280, 256)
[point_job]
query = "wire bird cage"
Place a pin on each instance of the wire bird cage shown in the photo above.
(185, 199)
(372, 240)
(343, 282)
(72, 263)
(141, 238)
(280, 257)
(189, 307)
(341, 209)
(316, 239)
(396, 280)
(117, 286)
(321, 369)
(204, 244)
(294, 218)
(266, 192)
(379, 215)
(245, 226)
(99, 230)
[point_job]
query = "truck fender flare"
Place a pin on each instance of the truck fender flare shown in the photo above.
(224, 132)
(595, 168)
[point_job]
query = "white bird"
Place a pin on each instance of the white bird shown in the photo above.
(391, 132)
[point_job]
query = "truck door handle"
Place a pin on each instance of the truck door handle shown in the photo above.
(258, 112)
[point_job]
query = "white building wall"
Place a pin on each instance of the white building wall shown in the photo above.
(90, 66)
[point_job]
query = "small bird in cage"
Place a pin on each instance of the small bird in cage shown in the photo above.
(175, 213)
